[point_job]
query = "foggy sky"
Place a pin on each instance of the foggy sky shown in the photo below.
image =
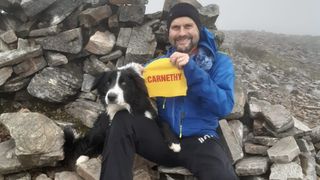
(300, 17)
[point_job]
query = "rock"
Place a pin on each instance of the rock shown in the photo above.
(124, 37)
(16, 56)
(255, 149)
(59, 11)
(48, 31)
(94, 67)
(240, 101)
(315, 134)
(67, 175)
(69, 41)
(232, 142)
(86, 111)
(252, 166)
(42, 177)
(308, 165)
(29, 67)
(278, 117)
(265, 140)
(209, 15)
(38, 140)
(19, 176)
(92, 16)
(5, 74)
(126, 2)
(55, 84)
(34, 7)
(142, 45)
(101, 43)
(88, 83)
(9, 37)
(238, 130)
(90, 170)
(3, 46)
(113, 21)
(9, 163)
(56, 59)
(112, 56)
(141, 174)
(284, 151)
(286, 171)
(132, 14)
(13, 86)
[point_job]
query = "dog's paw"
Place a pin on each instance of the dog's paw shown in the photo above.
(82, 159)
(175, 147)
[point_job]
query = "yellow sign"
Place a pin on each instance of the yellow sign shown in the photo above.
(164, 79)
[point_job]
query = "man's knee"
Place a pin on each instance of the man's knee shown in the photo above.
(121, 123)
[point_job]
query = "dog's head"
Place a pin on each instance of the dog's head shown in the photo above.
(122, 88)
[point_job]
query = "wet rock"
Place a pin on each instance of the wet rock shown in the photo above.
(90, 170)
(132, 14)
(37, 138)
(284, 151)
(69, 41)
(5, 74)
(86, 111)
(48, 31)
(232, 142)
(56, 59)
(55, 84)
(16, 56)
(252, 166)
(290, 170)
(34, 7)
(142, 45)
(9, 37)
(92, 16)
(101, 43)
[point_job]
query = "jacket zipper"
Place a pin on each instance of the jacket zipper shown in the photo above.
(164, 103)
(182, 115)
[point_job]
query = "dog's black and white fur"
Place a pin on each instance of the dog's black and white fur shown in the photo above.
(119, 89)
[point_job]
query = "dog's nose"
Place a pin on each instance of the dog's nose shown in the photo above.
(112, 97)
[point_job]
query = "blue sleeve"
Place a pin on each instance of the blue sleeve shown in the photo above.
(214, 88)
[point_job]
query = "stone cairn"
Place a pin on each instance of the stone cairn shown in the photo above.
(54, 49)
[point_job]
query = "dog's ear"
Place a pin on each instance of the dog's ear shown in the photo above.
(139, 81)
(99, 80)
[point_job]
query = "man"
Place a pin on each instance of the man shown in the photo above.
(193, 118)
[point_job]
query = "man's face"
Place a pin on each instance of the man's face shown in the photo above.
(183, 34)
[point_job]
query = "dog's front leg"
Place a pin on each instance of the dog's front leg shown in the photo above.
(170, 137)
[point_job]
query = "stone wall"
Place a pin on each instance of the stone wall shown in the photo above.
(52, 50)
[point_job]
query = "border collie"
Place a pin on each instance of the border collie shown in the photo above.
(119, 89)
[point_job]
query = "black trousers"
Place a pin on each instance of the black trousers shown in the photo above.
(128, 135)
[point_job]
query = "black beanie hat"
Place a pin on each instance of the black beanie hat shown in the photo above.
(183, 10)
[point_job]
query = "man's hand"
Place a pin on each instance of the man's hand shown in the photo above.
(179, 59)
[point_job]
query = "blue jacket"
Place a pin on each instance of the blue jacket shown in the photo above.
(209, 96)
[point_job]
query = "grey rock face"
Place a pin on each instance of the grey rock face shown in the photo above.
(29, 67)
(101, 43)
(9, 163)
(284, 151)
(252, 166)
(67, 175)
(279, 118)
(132, 14)
(86, 111)
(5, 73)
(56, 59)
(55, 84)
(52, 30)
(92, 16)
(209, 15)
(18, 55)
(240, 101)
(69, 41)
(13, 86)
(232, 141)
(290, 170)
(38, 140)
(33, 7)
(90, 169)
(142, 45)
(9, 37)
(124, 37)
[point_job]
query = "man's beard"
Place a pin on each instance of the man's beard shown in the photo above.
(184, 49)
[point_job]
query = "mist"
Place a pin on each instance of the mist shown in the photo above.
(299, 17)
